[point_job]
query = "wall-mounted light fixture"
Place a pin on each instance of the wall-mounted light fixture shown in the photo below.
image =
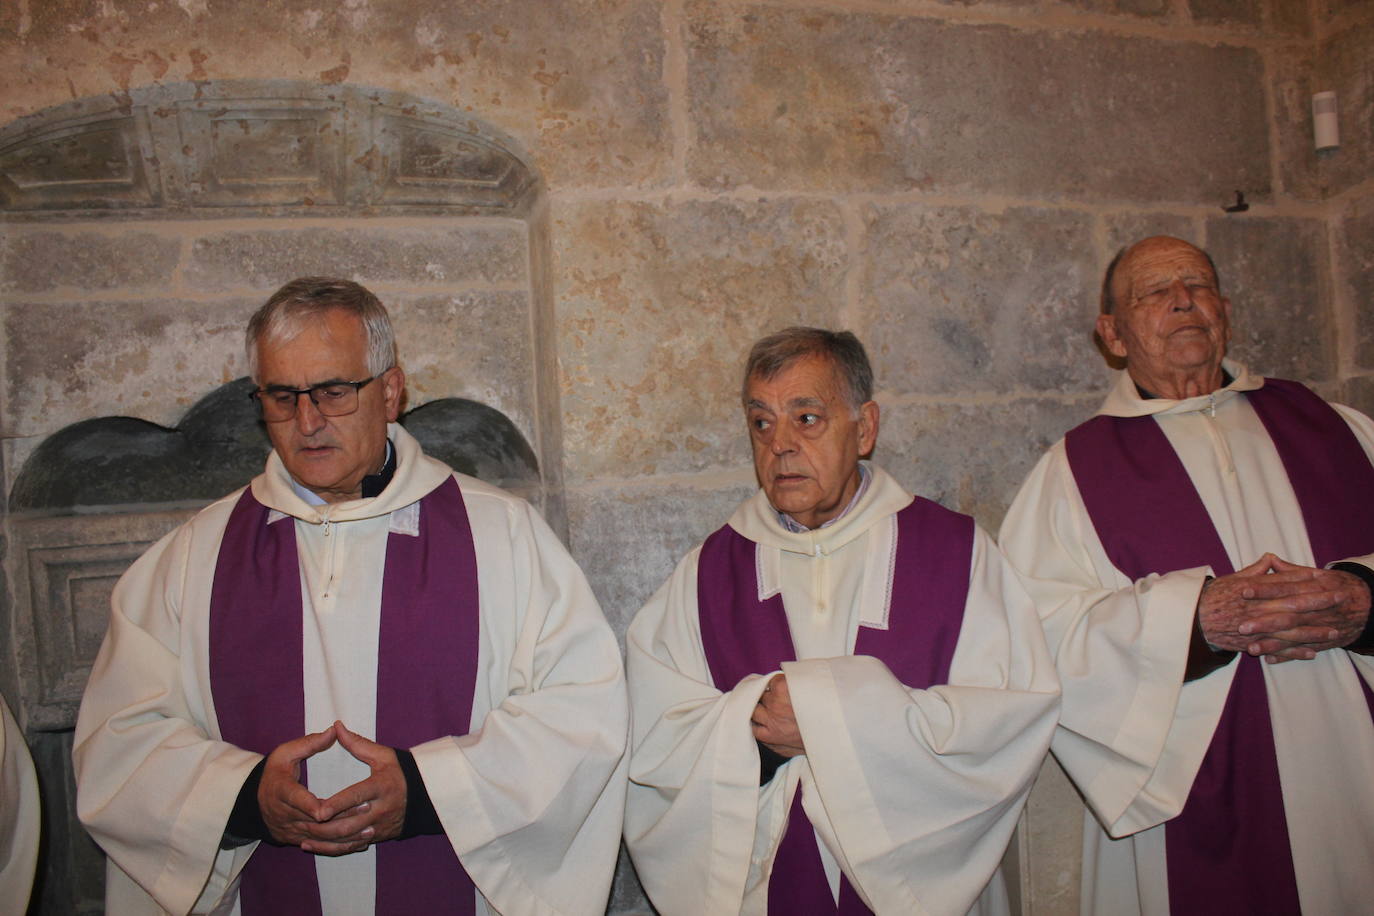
(1326, 133)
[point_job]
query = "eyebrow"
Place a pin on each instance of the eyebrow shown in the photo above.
(755, 404)
(331, 381)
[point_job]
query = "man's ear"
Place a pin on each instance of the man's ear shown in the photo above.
(393, 387)
(1106, 331)
(868, 427)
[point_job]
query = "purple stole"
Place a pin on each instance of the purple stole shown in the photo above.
(1228, 849)
(743, 636)
(426, 674)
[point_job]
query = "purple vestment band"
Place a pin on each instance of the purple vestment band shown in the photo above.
(742, 635)
(1228, 849)
(426, 675)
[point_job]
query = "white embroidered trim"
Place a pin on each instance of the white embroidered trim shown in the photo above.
(406, 520)
(766, 572)
(879, 568)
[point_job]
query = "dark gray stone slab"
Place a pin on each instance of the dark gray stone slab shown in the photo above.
(81, 259)
(221, 444)
(961, 300)
(801, 98)
(1273, 271)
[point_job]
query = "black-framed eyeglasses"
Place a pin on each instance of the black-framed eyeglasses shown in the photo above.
(332, 399)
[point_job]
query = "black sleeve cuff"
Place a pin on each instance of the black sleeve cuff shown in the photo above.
(245, 821)
(1364, 643)
(421, 818)
(1202, 658)
(769, 761)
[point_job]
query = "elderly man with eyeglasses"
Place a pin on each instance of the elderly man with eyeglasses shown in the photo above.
(1201, 553)
(364, 683)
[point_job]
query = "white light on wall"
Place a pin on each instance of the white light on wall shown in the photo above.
(1326, 133)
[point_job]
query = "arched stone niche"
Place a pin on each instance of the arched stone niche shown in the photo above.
(137, 233)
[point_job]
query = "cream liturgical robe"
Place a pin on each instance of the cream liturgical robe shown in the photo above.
(1133, 735)
(913, 793)
(19, 816)
(530, 799)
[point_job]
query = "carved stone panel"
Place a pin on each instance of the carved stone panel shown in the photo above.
(96, 161)
(277, 146)
(66, 567)
(263, 152)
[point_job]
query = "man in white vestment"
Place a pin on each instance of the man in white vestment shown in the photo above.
(364, 683)
(1200, 553)
(841, 698)
(20, 816)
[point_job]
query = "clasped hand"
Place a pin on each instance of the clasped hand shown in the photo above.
(774, 724)
(366, 812)
(1283, 611)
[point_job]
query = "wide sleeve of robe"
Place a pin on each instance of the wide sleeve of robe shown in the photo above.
(19, 816)
(1132, 735)
(153, 787)
(914, 791)
(532, 798)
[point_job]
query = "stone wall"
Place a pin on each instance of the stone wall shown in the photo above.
(947, 179)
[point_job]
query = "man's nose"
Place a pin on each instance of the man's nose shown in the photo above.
(1180, 296)
(784, 439)
(309, 420)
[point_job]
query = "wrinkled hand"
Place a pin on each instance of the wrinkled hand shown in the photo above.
(370, 811)
(288, 808)
(773, 722)
(1283, 611)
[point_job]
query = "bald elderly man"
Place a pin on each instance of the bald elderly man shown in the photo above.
(1200, 555)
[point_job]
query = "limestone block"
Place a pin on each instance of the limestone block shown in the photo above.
(1052, 835)
(1272, 270)
(472, 345)
(1355, 261)
(657, 307)
(580, 82)
(1228, 12)
(1153, 9)
(151, 358)
(959, 299)
(1342, 63)
(629, 538)
(627, 894)
(973, 457)
(77, 259)
(490, 252)
(1124, 229)
(797, 98)
(1360, 394)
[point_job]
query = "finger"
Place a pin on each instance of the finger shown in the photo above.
(1259, 567)
(368, 752)
(310, 745)
(349, 829)
(327, 848)
(356, 795)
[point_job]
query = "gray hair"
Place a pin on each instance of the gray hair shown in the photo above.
(774, 353)
(286, 314)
